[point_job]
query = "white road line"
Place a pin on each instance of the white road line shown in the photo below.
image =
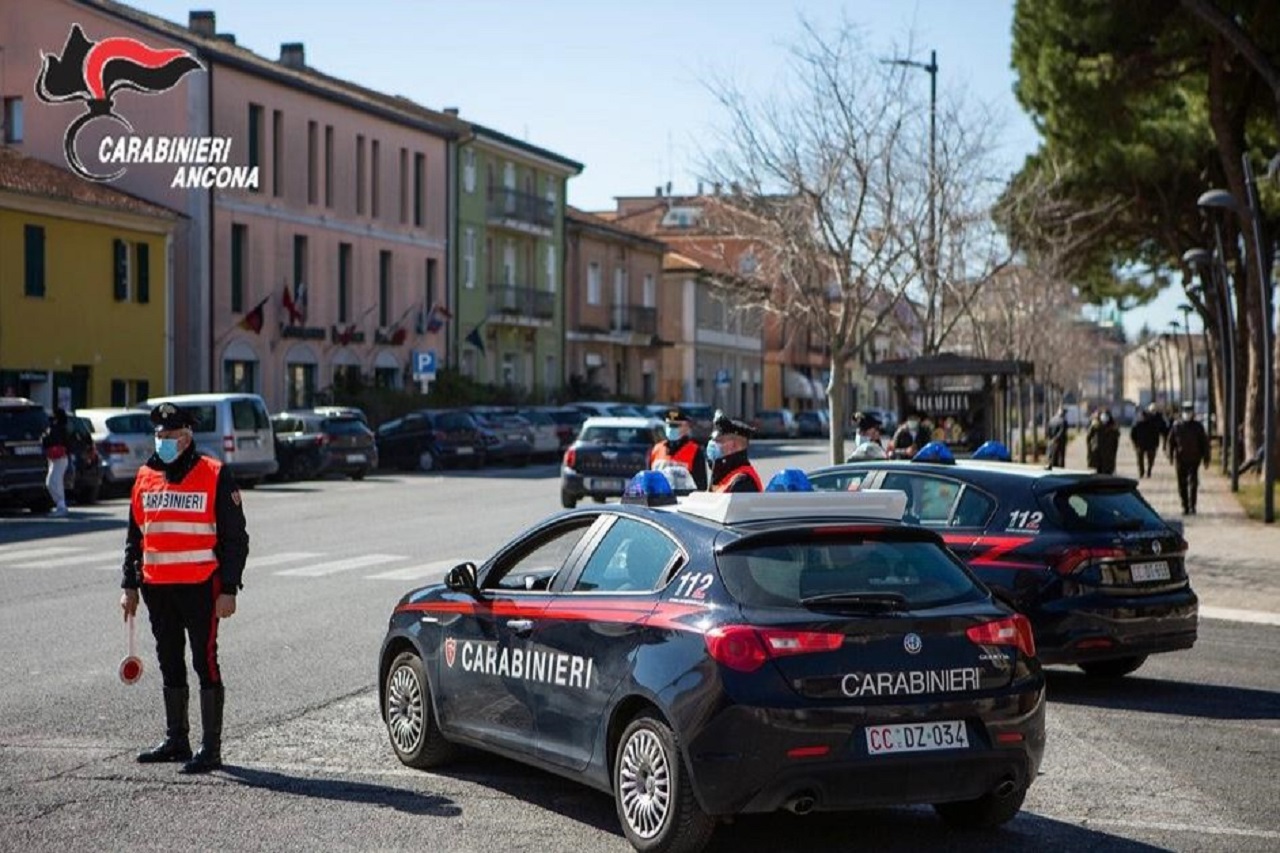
(416, 572)
(332, 568)
(277, 559)
(1230, 614)
(77, 559)
(36, 553)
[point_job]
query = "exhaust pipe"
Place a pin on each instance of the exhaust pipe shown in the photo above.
(802, 803)
(1005, 788)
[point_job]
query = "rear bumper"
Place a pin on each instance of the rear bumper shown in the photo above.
(576, 485)
(739, 760)
(1099, 627)
(341, 461)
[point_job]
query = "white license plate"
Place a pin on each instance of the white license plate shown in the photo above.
(1154, 571)
(597, 484)
(27, 450)
(463, 451)
(355, 457)
(917, 737)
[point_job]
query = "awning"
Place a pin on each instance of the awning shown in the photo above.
(796, 384)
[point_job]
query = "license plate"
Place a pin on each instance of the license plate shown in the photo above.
(598, 484)
(515, 437)
(1154, 571)
(27, 450)
(917, 737)
(355, 457)
(463, 451)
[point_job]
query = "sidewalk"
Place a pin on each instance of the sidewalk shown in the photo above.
(1233, 562)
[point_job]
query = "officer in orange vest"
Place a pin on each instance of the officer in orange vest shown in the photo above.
(731, 470)
(185, 550)
(680, 448)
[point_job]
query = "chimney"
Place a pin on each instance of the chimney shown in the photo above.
(451, 111)
(229, 38)
(202, 23)
(657, 191)
(293, 55)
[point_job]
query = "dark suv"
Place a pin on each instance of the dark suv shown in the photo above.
(431, 439)
(22, 462)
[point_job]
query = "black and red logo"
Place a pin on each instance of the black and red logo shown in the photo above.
(93, 72)
(450, 650)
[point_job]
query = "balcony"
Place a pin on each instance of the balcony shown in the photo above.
(520, 211)
(520, 306)
(633, 318)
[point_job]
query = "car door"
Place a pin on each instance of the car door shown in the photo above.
(957, 510)
(591, 630)
(487, 655)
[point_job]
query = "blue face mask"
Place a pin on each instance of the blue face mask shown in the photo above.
(167, 449)
(673, 433)
(714, 451)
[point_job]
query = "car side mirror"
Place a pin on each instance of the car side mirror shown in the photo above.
(462, 578)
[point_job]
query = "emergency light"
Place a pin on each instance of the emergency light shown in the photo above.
(649, 488)
(993, 450)
(936, 452)
(131, 666)
(789, 480)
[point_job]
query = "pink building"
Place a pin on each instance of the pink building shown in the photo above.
(328, 271)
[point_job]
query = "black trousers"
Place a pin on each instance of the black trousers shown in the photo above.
(1146, 461)
(178, 611)
(1188, 483)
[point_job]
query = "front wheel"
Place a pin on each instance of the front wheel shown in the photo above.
(411, 722)
(651, 791)
(427, 461)
(567, 500)
(1114, 668)
(359, 475)
(986, 812)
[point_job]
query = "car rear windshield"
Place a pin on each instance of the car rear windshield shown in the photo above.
(541, 419)
(1105, 508)
(455, 420)
(22, 424)
(344, 426)
(617, 435)
(847, 572)
(248, 415)
(130, 424)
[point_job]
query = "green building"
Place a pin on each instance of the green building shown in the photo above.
(508, 300)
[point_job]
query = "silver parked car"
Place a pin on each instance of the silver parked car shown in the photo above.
(125, 439)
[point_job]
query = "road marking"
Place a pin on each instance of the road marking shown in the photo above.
(1162, 826)
(76, 559)
(332, 568)
(36, 553)
(277, 559)
(417, 572)
(1230, 614)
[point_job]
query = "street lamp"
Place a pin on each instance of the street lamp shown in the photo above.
(1268, 366)
(1223, 200)
(1196, 293)
(932, 68)
(1191, 356)
(1181, 372)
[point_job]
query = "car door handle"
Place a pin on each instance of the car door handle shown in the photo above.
(520, 626)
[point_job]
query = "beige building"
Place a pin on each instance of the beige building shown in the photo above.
(1167, 369)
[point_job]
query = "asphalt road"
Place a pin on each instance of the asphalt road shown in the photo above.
(1184, 755)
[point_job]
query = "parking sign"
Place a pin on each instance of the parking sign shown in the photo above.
(424, 363)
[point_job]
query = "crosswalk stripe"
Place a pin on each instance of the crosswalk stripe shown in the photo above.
(74, 560)
(36, 553)
(416, 572)
(332, 568)
(277, 559)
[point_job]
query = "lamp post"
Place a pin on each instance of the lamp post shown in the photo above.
(1191, 355)
(932, 68)
(1181, 372)
(1197, 294)
(1223, 200)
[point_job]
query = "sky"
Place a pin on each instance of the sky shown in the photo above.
(618, 85)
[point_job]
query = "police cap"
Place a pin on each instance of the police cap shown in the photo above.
(676, 415)
(866, 422)
(167, 416)
(725, 425)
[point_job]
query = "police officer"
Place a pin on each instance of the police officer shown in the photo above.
(185, 550)
(867, 437)
(731, 470)
(1188, 450)
(680, 448)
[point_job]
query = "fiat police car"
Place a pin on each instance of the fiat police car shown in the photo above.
(725, 654)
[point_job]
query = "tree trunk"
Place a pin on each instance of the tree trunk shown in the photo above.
(837, 405)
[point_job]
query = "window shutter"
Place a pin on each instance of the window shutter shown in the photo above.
(143, 254)
(120, 269)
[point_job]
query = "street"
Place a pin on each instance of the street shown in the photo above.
(1181, 756)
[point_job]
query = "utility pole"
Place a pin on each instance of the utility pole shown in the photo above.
(932, 68)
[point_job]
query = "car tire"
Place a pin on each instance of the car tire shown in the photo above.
(427, 461)
(1114, 668)
(986, 812)
(647, 762)
(411, 720)
(359, 475)
(599, 498)
(89, 494)
(567, 500)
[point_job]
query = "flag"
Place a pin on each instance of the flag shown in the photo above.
(435, 318)
(300, 301)
(344, 337)
(252, 321)
(475, 340)
(295, 316)
(398, 336)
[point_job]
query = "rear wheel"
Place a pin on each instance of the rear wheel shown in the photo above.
(567, 500)
(651, 791)
(1114, 668)
(427, 461)
(986, 812)
(599, 498)
(88, 494)
(359, 475)
(411, 721)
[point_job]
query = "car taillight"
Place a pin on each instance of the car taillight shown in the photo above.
(229, 444)
(113, 448)
(1012, 631)
(1073, 559)
(570, 457)
(322, 439)
(745, 649)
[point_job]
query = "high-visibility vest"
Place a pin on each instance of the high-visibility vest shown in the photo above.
(741, 471)
(685, 455)
(178, 523)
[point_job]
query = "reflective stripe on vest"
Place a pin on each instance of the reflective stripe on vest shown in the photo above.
(178, 523)
(740, 471)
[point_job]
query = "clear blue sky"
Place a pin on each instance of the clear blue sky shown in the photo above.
(616, 84)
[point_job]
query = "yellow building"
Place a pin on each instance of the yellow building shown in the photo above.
(84, 289)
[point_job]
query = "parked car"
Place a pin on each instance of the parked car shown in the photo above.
(775, 423)
(508, 437)
(232, 427)
(314, 444)
(609, 410)
(334, 411)
(430, 439)
(85, 472)
(607, 453)
(23, 464)
(546, 433)
(125, 439)
(567, 420)
(813, 424)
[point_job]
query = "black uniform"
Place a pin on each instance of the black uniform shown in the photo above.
(1057, 440)
(1103, 443)
(1188, 450)
(1146, 435)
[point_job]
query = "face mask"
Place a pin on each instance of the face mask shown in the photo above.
(714, 451)
(913, 425)
(1106, 419)
(167, 449)
(673, 433)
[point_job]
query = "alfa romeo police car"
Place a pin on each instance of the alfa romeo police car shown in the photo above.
(726, 654)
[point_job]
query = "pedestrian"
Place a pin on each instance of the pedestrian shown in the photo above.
(1188, 450)
(186, 549)
(56, 442)
(679, 448)
(910, 437)
(1103, 441)
(1056, 437)
(867, 433)
(1146, 436)
(731, 468)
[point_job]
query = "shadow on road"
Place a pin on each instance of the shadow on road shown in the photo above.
(346, 791)
(1159, 696)
(16, 528)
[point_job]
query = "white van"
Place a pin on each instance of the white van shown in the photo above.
(232, 427)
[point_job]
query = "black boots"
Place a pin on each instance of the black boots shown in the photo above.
(176, 745)
(209, 756)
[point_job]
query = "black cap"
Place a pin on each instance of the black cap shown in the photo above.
(676, 416)
(725, 425)
(866, 422)
(167, 416)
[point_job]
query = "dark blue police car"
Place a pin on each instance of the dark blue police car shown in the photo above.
(726, 654)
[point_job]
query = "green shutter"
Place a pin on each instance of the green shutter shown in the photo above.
(120, 269)
(142, 255)
(34, 260)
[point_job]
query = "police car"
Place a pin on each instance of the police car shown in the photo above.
(724, 654)
(1099, 573)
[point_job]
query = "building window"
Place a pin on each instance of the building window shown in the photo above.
(404, 185)
(551, 192)
(469, 170)
(120, 270)
(240, 376)
(277, 153)
(360, 180)
(12, 118)
(313, 162)
(649, 297)
(384, 288)
(301, 382)
(121, 388)
(375, 178)
(431, 284)
(119, 393)
(593, 283)
(469, 258)
(419, 187)
(142, 259)
(552, 269)
(328, 165)
(301, 267)
(239, 245)
(344, 282)
(33, 259)
(386, 378)
(255, 137)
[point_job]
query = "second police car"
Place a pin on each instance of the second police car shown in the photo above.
(726, 654)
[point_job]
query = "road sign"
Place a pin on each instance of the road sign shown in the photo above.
(722, 378)
(424, 364)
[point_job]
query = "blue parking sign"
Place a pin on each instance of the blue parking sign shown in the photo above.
(424, 363)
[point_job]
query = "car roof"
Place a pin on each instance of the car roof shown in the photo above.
(110, 412)
(978, 471)
(19, 402)
(614, 421)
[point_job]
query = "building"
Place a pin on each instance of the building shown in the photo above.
(611, 308)
(1167, 369)
(85, 289)
(509, 311)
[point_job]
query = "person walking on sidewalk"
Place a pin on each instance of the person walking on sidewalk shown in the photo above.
(1103, 441)
(56, 442)
(1146, 436)
(1056, 438)
(1188, 450)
